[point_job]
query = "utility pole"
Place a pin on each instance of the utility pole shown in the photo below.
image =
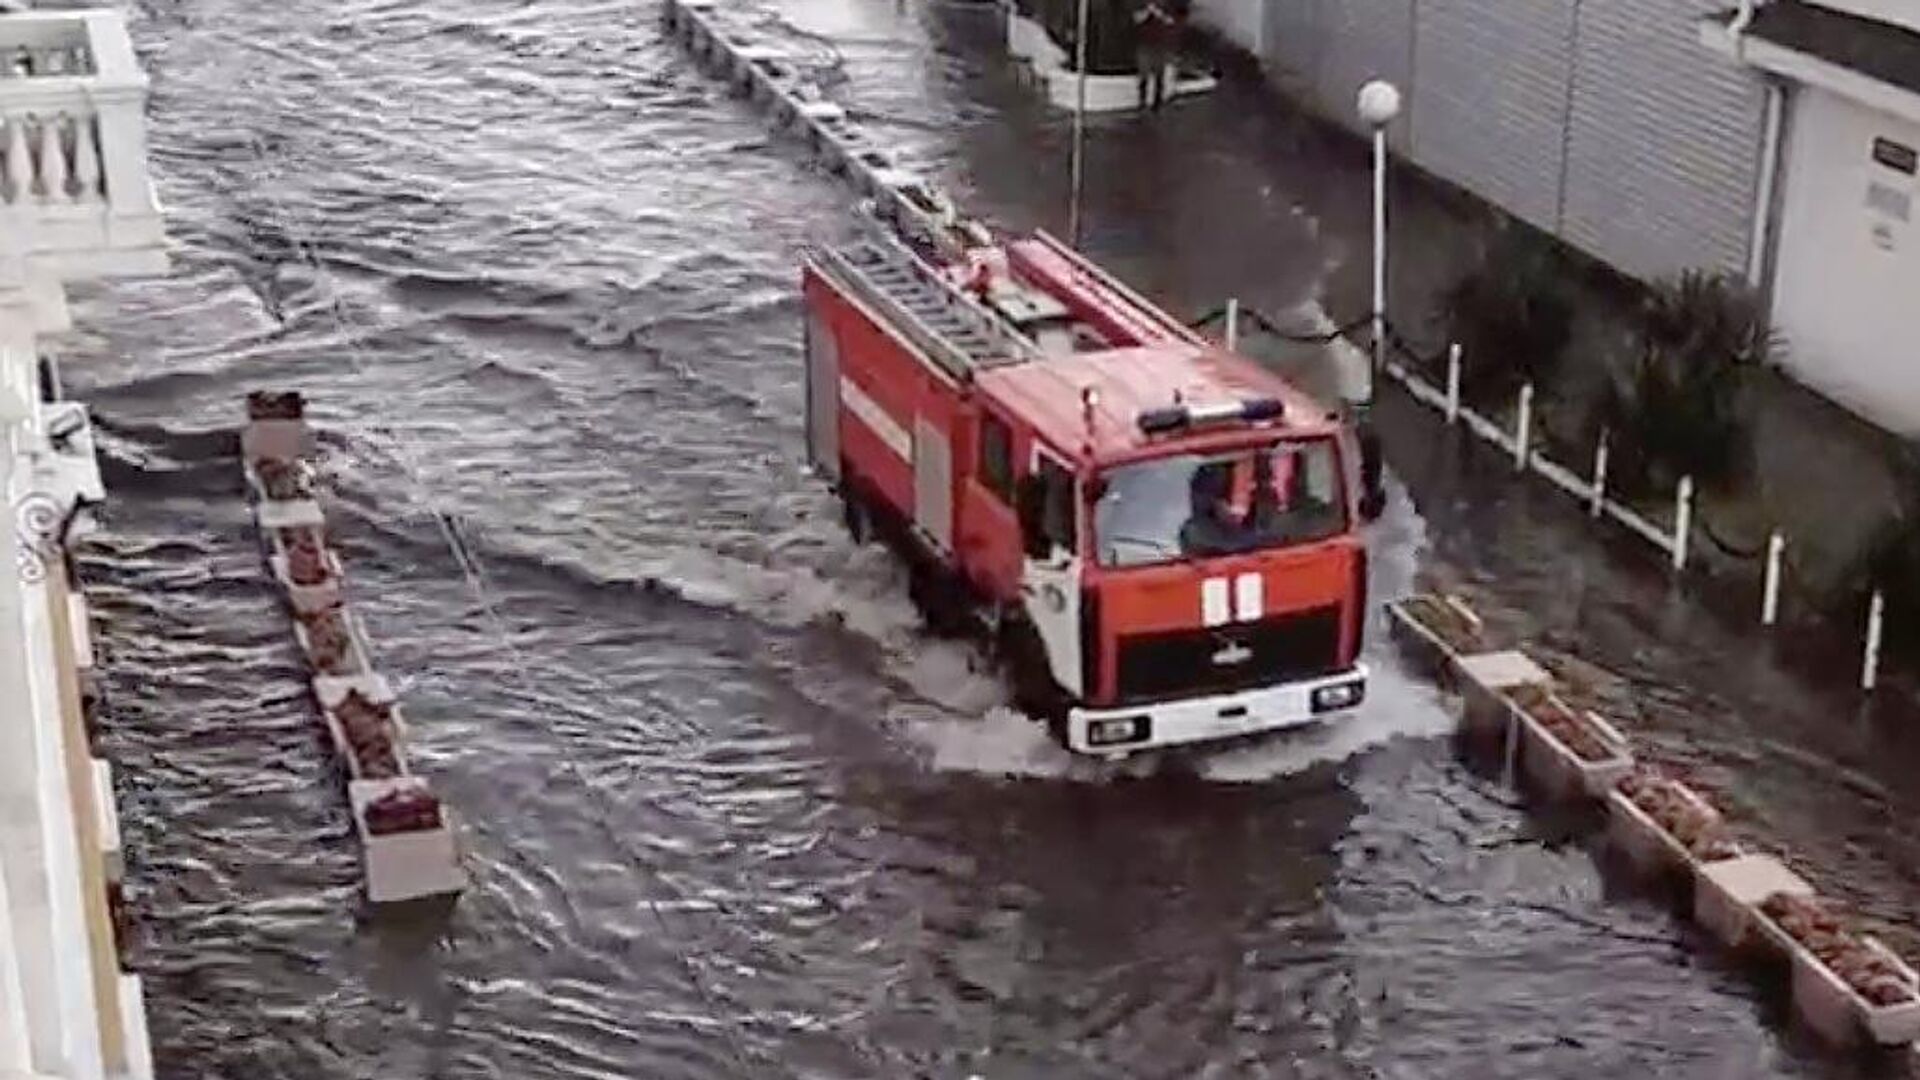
(1079, 167)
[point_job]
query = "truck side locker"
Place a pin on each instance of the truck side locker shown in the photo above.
(823, 396)
(933, 485)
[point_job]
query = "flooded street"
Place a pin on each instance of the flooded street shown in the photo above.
(726, 810)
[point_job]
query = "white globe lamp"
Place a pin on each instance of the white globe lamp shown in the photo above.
(1379, 103)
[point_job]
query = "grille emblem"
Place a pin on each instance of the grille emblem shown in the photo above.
(1233, 653)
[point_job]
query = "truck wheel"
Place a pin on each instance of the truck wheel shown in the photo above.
(1024, 658)
(941, 602)
(859, 520)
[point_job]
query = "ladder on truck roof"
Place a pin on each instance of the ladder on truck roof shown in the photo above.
(955, 331)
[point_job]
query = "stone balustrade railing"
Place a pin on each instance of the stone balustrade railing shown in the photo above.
(50, 159)
(75, 193)
(28, 61)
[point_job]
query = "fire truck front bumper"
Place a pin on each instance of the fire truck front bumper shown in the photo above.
(1223, 716)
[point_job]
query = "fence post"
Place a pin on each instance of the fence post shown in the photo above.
(1233, 324)
(1599, 476)
(1682, 522)
(1876, 623)
(1770, 596)
(1523, 428)
(1453, 383)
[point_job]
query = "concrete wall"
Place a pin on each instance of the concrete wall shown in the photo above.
(1849, 259)
(1603, 122)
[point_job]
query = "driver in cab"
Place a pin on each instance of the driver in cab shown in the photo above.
(1236, 507)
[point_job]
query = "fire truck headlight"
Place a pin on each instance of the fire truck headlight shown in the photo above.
(1339, 696)
(1125, 729)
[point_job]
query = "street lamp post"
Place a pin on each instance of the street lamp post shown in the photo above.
(1379, 104)
(1079, 122)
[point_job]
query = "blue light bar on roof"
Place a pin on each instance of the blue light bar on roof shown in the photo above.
(1181, 417)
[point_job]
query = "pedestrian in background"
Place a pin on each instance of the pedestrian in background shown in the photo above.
(1157, 28)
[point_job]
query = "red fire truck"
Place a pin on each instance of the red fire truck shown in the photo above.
(1160, 536)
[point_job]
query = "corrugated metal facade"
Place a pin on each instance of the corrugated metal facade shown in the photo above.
(1665, 154)
(1490, 105)
(1604, 122)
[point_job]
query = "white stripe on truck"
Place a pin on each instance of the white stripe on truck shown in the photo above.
(1249, 603)
(869, 412)
(1215, 607)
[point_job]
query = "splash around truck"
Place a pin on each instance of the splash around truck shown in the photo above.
(1160, 537)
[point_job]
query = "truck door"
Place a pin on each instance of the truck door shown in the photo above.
(1050, 570)
(823, 396)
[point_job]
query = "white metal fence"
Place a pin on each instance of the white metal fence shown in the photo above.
(1521, 442)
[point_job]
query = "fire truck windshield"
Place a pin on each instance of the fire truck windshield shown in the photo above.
(1191, 506)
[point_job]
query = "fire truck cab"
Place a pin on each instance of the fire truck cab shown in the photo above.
(1161, 536)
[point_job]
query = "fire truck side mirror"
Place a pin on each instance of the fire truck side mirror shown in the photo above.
(1030, 501)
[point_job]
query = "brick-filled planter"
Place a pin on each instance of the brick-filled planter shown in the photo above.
(369, 734)
(1665, 828)
(281, 479)
(313, 598)
(1567, 755)
(1846, 987)
(332, 643)
(1727, 895)
(406, 839)
(1435, 631)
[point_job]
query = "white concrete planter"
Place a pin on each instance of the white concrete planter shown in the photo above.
(289, 514)
(1024, 35)
(1836, 1011)
(1485, 681)
(1563, 775)
(407, 865)
(331, 690)
(1115, 93)
(1044, 54)
(356, 662)
(343, 747)
(1649, 847)
(1421, 643)
(305, 599)
(259, 487)
(112, 859)
(275, 439)
(1889, 1025)
(1727, 896)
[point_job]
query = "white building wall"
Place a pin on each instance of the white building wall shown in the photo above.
(1489, 110)
(1663, 159)
(1848, 283)
(1604, 122)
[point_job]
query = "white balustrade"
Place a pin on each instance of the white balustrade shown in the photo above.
(50, 160)
(42, 61)
(74, 185)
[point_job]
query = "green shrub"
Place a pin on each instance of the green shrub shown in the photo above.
(1512, 316)
(1677, 410)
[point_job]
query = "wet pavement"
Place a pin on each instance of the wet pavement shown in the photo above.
(727, 812)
